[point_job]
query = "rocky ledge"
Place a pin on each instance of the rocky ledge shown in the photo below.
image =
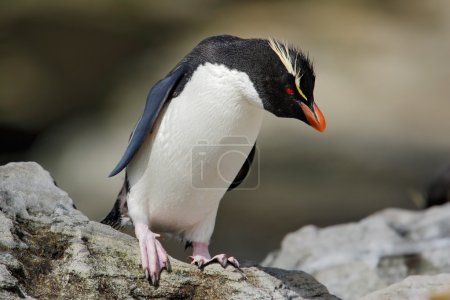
(49, 249)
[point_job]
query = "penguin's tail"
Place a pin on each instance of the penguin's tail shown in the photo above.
(118, 216)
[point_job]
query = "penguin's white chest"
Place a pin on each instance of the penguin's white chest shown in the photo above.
(199, 144)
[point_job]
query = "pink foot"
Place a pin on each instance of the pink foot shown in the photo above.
(222, 259)
(153, 256)
(200, 257)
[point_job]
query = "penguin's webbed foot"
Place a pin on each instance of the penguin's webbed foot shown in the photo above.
(153, 256)
(201, 261)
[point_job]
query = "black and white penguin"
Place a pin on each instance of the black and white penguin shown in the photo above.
(221, 89)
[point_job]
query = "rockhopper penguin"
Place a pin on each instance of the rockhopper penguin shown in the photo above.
(219, 90)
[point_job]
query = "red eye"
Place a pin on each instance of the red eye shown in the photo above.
(289, 90)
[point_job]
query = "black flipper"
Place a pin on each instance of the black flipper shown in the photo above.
(242, 174)
(156, 98)
(118, 216)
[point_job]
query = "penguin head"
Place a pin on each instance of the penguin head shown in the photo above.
(282, 75)
(286, 86)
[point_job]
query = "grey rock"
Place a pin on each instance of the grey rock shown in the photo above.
(418, 287)
(355, 259)
(48, 249)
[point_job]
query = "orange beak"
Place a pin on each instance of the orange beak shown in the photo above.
(314, 117)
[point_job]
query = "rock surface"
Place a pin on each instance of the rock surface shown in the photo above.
(419, 287)
(49, 249)
(355, 259)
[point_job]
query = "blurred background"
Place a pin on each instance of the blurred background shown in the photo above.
(74, 76)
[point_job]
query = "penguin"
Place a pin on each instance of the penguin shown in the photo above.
(220, 90)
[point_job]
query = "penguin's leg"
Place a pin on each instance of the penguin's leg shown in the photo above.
(153, 256)
(200, 236)
(201, 257)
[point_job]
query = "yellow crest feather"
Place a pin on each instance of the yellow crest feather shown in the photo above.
(282, 51)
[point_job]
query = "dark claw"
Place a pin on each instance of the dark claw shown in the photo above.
(168, 266)
(154, 279)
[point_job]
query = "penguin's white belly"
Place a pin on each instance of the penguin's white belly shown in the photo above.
(185, 166)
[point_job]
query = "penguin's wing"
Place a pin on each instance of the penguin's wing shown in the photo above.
(242, 174)
(158, 95)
